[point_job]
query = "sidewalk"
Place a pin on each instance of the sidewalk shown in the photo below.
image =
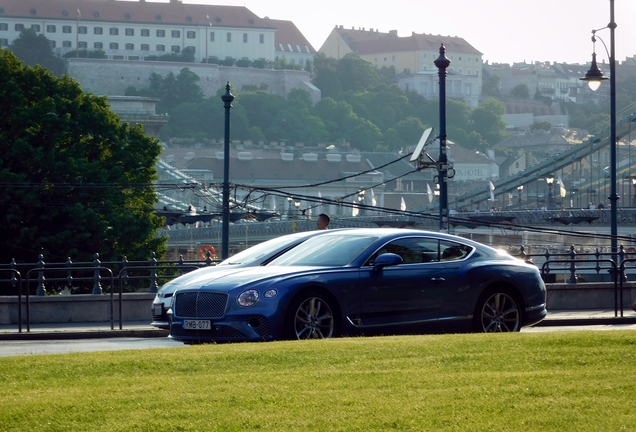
(143, 329)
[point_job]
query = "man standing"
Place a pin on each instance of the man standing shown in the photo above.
(323, 221)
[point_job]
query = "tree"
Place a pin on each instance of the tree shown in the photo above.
(75, 180)
(172, 90)
(488, 122)
(520, 91)
(34, 49)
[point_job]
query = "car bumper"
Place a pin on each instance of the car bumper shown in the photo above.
(242, 328)
(534, 315)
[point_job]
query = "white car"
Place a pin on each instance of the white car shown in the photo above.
(258, 255)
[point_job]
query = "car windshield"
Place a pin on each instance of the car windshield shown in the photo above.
(326, 250)
(262, 251)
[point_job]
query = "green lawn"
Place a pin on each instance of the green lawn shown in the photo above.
(578, 381)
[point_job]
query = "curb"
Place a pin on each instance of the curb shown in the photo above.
(560, 322)
(87, 334)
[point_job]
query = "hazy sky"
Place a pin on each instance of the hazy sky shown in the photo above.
(503, 30)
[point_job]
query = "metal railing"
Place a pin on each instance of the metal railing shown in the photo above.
(38, 275)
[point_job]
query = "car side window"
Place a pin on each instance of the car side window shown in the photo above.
(452, 251)
(413, 250)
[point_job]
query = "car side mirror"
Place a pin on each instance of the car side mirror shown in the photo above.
(387, 259)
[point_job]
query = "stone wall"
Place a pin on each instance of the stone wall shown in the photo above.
(79, 308)
(113, 77)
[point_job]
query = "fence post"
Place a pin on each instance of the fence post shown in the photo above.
(41, 288)
(124, 276)
(69, 274)
(97, 287)
(180, 265)
(153, 274)
(572, 279)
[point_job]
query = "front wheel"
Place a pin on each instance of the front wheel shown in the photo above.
(310, 316)
(497, 312)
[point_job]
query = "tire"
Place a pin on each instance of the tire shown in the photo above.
(311, 316)
(497, 311)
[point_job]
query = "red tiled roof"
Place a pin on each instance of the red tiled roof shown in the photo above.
(174, 13)
(288, 34)
(370, 42)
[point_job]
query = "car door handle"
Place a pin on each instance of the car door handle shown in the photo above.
(438, 279)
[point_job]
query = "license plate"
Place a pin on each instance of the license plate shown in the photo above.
(197, 324)
(158, 309)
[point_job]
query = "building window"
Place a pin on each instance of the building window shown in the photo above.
(36, 27)
(145, 32)
(98, 45)
(175, 49)
(130, 32)
(176, 34)
(261, 38)
(191, 35)
(66, 44)
(161, 47)
(114, 31)
(229, 37)
(145, 47)
(83, 45)
(19, 27)
(244, 37)
(82, 30)
(4, 42)
(161, 33)
(130, 46)
(211, 36)
(114, 45)
(191, 49)
(50, 29)
(98, 30)
(52, 43)
(66, 29)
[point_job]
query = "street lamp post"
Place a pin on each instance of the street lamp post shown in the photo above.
(442, 63)
(594, 77)
(289, 201)
(520, 189)
(549, 180)
(360, 202)
(227, 99)
(297, 205)
(634, 184)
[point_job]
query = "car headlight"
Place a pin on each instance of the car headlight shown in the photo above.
(247, 298)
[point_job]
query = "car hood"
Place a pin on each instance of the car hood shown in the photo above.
(226, 281)
(198, 278)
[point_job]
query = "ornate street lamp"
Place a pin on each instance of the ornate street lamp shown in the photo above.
(297, 205)
(594, 77)
(360, 201)
(550, 181)
(442, 63)
(227, 99)
(520, 189)
(634, 184)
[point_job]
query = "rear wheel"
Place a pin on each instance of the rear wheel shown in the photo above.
(311, 316)
(497, 311)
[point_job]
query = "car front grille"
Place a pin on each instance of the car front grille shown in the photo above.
(200, 304)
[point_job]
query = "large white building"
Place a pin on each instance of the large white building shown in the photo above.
(133, 30)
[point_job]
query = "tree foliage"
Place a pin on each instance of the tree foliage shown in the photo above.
(360, 105)
(75, 180)
(34, 49)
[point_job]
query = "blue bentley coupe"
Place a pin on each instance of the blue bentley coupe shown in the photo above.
(366, 281)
